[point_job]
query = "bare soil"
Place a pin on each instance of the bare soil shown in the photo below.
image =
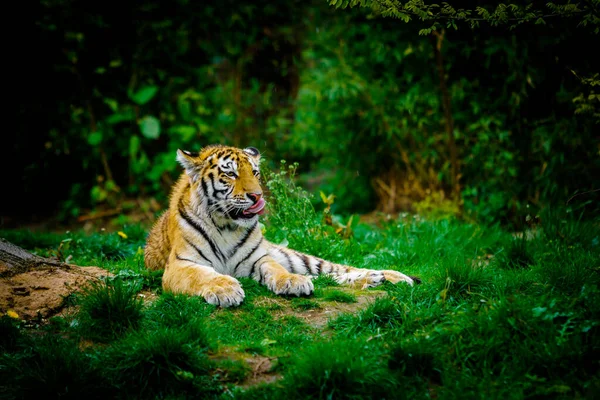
(319, 316)
(41, 293)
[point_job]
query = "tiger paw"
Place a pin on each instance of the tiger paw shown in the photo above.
(223, 291)
(290, 284)
(395, 277)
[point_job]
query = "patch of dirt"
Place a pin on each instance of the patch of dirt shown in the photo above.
(260, 371)
(40, 293)
(259, 367)
(318, 317)
(148, 296)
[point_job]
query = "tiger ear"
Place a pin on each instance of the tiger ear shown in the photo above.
(253, 152)
(189, 161)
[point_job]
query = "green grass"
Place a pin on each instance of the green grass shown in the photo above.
(55, 364)
(109, 310)
(494, 317)
(305, 304)
(335, 295)
(339, 369)
(382, 314)
(169, 360)
(10, 334)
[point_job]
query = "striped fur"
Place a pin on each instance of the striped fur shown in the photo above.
(209, 235)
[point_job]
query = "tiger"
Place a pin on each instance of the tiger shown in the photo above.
(210, 235)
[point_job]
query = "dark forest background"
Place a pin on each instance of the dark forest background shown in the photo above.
(492, 122)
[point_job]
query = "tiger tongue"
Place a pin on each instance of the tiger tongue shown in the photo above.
(257, 208)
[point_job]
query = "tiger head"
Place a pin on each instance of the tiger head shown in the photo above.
(227, 180)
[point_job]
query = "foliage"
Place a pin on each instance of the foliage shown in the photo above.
(291, 214)
(494, 14)
(353, 95)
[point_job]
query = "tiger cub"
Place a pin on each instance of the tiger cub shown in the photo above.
(209, 235)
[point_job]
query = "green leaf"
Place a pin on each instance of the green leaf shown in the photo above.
(267, 342)
(95, 138)
(150, 127)
(185, 131)
(125, 115)
(112, 103)
(134, 145)
(144, 95)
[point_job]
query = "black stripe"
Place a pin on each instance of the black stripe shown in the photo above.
(197, 250)
(191, 153)
(248, 256)
(254, 264)
(243, 240)
(319, 264)
(215, 224)
(260, 271)
(289, 260)
(305, 261)
(212, 181)
(205, 188)
(184, 259)
(201, 230)
(230, 227)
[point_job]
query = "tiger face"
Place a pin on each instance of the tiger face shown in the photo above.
(227, 180)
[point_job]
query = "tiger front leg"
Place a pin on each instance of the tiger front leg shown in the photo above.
(280, 281)
(185, 276)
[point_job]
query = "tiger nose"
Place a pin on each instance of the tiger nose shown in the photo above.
(255, 197)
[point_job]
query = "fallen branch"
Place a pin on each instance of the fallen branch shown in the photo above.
(100, 214)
